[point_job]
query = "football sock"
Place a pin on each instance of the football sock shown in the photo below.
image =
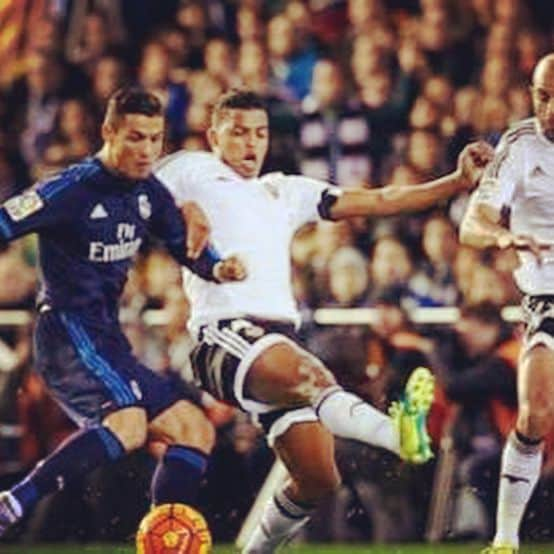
(348, 416)
(178, 475)
(281, 520)
(519, 473)
(79, 454)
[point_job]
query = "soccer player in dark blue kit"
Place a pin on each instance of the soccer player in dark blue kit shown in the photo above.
(91, 219)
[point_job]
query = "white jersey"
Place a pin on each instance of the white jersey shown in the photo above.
(521, 179)
(254, 219)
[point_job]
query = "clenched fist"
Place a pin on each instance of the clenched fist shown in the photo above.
(230, 269)
(472, 162)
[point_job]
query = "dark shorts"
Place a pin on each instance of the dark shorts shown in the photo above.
(91, 371)
(223, 357)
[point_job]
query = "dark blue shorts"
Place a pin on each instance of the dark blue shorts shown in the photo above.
(91, 371)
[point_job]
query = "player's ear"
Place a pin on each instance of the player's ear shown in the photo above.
(108, 132)
(211, 135)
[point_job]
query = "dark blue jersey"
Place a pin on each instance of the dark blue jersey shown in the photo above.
(90, 224)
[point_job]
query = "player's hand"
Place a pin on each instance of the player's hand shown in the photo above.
(198, 229)
(472, 162)
(230, 269)
(524, 243)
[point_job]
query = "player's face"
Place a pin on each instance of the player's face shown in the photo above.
(135, 144)
(241, 140)
(543, 100)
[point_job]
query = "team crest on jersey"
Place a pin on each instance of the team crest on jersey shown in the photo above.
(22, 206)
(145, 208)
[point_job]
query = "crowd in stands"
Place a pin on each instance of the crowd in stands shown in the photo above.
(360, 92)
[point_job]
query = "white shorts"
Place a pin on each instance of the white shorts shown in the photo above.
(223, 357)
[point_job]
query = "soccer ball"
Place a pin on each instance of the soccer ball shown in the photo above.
(173, 529)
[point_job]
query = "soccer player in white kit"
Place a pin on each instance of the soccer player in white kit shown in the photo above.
(514, 207)
(247, 354)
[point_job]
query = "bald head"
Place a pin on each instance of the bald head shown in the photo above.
(544, 72)
(543, 94)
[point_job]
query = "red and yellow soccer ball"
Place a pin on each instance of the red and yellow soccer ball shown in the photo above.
(173, 529)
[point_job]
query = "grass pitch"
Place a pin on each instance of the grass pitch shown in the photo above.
(300, 549)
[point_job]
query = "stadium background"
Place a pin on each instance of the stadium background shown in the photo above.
(373, 92)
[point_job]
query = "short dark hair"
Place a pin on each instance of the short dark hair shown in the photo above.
(237, 99)
(131, 100)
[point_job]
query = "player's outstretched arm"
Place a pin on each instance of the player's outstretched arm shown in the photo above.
(410, 198)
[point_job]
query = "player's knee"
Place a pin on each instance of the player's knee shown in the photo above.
(288, 376)
(185, 424)
(306, 379)
(197, 431)
(320, 484)
(535, 419)
(129, 426)
(312, 379)
(132, 436)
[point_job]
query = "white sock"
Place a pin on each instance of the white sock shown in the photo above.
(519, 473)
(348, 416)
(281, 520)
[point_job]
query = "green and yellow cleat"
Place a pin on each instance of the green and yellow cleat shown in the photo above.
(500, 550)
(409, 415)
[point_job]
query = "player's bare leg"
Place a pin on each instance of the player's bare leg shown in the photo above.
(522, 457)
(307, 450)
(121, 432)
(288, 376)
(189, 438)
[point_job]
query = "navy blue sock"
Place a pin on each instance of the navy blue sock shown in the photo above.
(78, 455)
(178, 475)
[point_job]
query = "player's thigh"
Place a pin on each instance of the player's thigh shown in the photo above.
(308, 451)
(536, 391)
(129, 425)
(285, 374)
(78, 372)
(183, 423)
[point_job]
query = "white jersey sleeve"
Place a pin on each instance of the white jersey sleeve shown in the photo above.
(498, 184)
(303, 195)
(185, 174)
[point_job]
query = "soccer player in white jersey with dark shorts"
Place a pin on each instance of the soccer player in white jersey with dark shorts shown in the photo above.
(247, 353)
(514, 207)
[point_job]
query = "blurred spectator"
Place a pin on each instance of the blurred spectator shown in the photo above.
(364, 14)
(391, 267)
(434, 284)
(480, 378)
(110, 73)
(348, 277)
(33, 103)
(154, 75)
(96, 39)
(291, 64)
(249, 24)
(72, 137)
(219, 62)
(334, 133)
